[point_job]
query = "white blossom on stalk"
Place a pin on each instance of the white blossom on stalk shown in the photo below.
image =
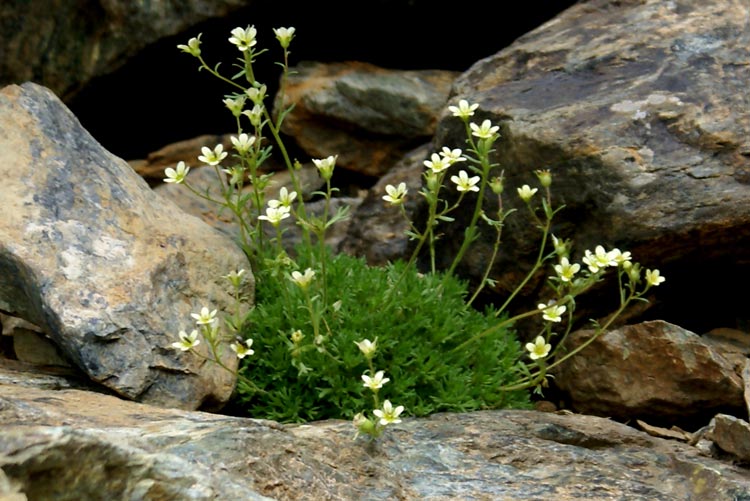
(654, 278)
(452, 155)
(275, 215)
(205, 317)
(243, 143)
(213, 157)
(437, 164)
(538, 349)
(176, 176)
(193, 46)
(284, 36)
(244, 39)
(389, 414)
(303, 279)
(187, 341)
(375, 382)
(243, 349)
(395, 194)
(464, 182)
(526, 192)
(552, 312)
(484, 131)
(464, 109)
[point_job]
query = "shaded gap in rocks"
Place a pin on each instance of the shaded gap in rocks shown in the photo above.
(159, 97)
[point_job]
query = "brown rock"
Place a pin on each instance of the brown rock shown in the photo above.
(652, 370)
(367, 115)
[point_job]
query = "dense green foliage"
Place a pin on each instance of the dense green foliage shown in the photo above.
(416, 328)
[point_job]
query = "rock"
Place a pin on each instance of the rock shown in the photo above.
(109, 270)
(152, 167)
(641, 111)
(650, 371)
(204, 181)
(72, 444)
(367, 115)
(377, 231)
(62, 46)
(732, 435)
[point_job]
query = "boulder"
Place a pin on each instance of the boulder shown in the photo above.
(654, 371)
(109, 270)
(72, 444)
(63, 45)
(641, 112)
(367, 115)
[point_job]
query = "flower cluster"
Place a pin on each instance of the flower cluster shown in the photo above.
(207, 321)
(305, 288)
(387, 414)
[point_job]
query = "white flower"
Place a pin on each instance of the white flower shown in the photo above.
(464, 109)
(437, 164)
(539, 348)
(464, 182)
(285, 198)
(526, 192)
(297, 336)
(325, 166)
(235, 277)
(236, 174)
(621, 258)
(257, 94)
(376, 382)
(255, 115)
(389, 414)
(367, 347)
(176, 176)
(484, 131)
(274, 215)
(187, 341)
(303, 280)
(565, 270)
(242, 350)
(212, 157)
(243, 143)
(552, 312)
(452, 156)
(654, 278)
(599, 259)
(235, 104)
(244, 38)
(284, 36)
(205, 317)
(193, 46)
(395, 194)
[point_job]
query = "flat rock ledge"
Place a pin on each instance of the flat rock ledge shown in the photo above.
(72, 444)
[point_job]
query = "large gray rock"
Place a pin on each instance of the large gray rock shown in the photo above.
(72, 444)
(642, 112)
(62, 45)
(107, 268)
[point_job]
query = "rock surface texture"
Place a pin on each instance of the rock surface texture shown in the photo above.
(69, 445)
(108, 269)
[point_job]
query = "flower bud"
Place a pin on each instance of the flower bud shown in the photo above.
(545, 177)
(496, 184)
